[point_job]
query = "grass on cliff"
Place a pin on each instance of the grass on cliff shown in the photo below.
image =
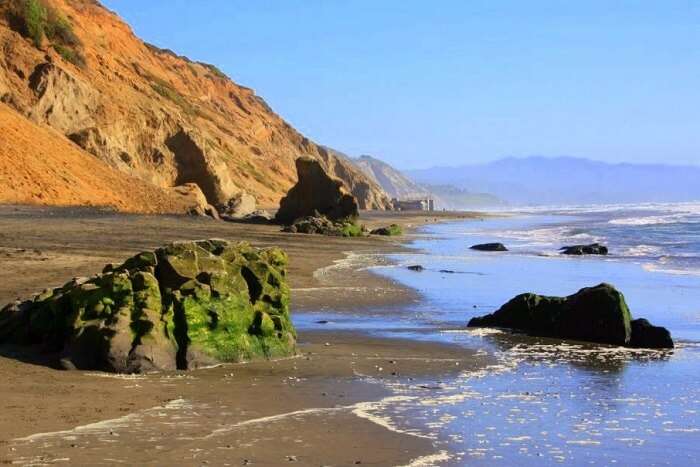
(42, 22)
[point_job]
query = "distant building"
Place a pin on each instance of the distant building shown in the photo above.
(413, 204)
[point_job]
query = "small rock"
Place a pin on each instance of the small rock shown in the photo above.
(416, 267)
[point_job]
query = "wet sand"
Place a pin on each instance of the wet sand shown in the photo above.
(320, 402)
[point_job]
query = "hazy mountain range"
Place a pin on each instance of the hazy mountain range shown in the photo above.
(568, 180)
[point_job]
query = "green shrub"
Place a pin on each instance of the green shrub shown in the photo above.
(34, 16)
(70, 55)
(41, 21)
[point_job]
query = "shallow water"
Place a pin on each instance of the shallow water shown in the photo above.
(546, 402)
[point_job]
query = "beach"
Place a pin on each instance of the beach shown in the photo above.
(322, 407)
(387, 371)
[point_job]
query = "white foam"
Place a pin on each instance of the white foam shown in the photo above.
(430, 460)
(106, 425)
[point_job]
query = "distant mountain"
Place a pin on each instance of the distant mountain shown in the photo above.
(456, 199)
(396, 184)
(568, 180)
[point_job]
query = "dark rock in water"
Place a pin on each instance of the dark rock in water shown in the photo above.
(592, 249)
(316, 191)
(594, 314)
(183, 306)
(416, 267)
(645, 335)
(489, 247)
(448, 271)
(391, 230)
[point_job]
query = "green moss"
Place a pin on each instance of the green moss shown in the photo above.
(351, 229)
(189, 300)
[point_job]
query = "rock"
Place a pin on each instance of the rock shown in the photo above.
(594, 314)
(416, 267)
(64, 101)
(592, 249)
(183, 306)
(645, 335)
(489, 247)
(239, 206)
(194, 198)
(206, 211)
(391, 230)
(316, 192)
(256, 217)
(323, 226)
(259, 216)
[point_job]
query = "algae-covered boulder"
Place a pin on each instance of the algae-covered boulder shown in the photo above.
(594, 314)
(182, 306)
(389, 231)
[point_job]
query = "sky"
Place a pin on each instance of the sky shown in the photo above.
(453, 82)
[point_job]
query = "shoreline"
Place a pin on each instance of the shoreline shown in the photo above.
(74, 242)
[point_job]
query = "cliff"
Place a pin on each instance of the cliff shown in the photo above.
(77, 68)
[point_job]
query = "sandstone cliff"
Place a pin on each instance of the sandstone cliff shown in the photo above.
(149, 113)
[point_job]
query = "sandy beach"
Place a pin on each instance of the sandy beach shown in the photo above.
(314, 408)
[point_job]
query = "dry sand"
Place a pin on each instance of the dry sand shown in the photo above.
(319, 390)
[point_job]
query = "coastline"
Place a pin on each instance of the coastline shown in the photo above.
(326, 385)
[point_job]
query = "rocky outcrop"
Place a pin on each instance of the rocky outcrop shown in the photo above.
(489, 247)
(240, 206)
(369, 193)
(182, 306)
(391, 230)
(152, 114)
(594, 314)
(321, 225)
(592, 249)
(316, 193)
(646, 335)
(63, 101)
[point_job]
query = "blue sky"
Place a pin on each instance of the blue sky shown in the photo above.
(423, 83)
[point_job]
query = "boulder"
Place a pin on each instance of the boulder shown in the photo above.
(415, 267)
(239, 206)
(594, 314)
(183, 306)
(645, 335)
(321, 225)
(592, 249)
(391, 230)
(489, 247)
(316, 191)
(195, 201)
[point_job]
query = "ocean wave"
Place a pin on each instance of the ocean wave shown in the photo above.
(679, 218)
(643, 251)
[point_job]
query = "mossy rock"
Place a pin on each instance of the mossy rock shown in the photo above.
(594, 314)
(389, 231)
(182, 306)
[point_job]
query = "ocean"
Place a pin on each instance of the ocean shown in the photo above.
(546, 401)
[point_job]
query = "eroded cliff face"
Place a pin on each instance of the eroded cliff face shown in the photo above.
(154, 115)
